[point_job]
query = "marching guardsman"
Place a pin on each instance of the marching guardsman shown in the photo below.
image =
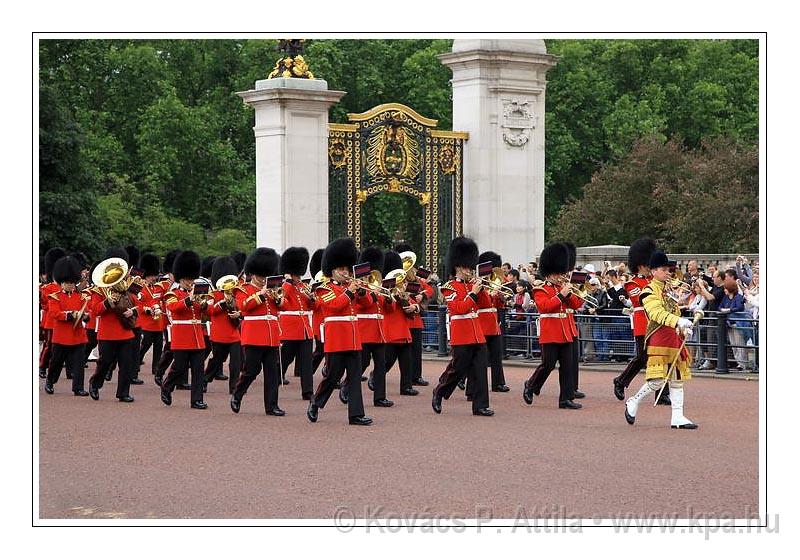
(668, 359)
(466, 334)
(339, 331)
(421, 299)
(133, 262)
(225, 322)
(397, 325)
(489, 301)
(91, 326)
(186, 329)
(152, 318)
(576, 343)
(261, 334)
(314, 268)
(116, 313)
(639, 256)
(205, 276)
(167, 283)
(553, 297)
(46, 323)
(297, 309)
(67, 309)
(371, 315)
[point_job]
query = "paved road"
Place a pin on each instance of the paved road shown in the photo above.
(144, 460)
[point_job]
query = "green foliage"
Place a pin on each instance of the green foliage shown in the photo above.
(388, 218)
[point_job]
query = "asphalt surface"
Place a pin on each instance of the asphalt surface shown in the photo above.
(110, 460)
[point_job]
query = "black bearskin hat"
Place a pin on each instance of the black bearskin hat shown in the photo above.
(573, 254)
(402, 247)
(639, 253)
(149, 264)
(50, 258)
(169, 259)
(341, 252)
(133, 254)
(118, 252)
(391, 261)
(239, 258)
(262, 262)
(315, 264)
(462, 252)
(487, 256)
(555, 259)
(82, 259)
(223, 266)
(186, 265)
(374, 257)
(205, 269)
(67, 269)
(294, 260)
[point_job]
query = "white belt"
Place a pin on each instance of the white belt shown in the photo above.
(487, 310)
(369, 316)
(472, 315)
(260, 318)
(638, 308)
(187, 322)
(570, 311)
(300, 313)
(348, 318)
(553, 316)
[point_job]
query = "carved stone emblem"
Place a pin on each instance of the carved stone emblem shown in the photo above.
(518, 121)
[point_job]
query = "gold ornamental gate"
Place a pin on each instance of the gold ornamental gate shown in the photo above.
(393, 149)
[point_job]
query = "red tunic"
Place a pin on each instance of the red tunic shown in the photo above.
(59, 308)
(223, 329)
(555, 323)
(339, 331)
(634, 289)
(371, 313)
(396, 324)
(149, 298)
(44, 299)
(463, 310)
(109, 326)
(260, 325)
(295, 314)
(427, 293)
(487, 312)
(185, 330)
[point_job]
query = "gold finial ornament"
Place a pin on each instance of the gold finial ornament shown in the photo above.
(291, 64)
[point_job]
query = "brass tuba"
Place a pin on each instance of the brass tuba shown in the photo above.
(111, 276)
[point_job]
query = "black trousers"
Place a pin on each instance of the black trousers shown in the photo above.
(469, 362)
(299, 352)
(318, 355)
(338, 364)
(156, 340)
(416, 353)
(256, 358)
(73, 357)
(564, 354)
(637, 364)
(167, 358)
(137, 337)
(494, 347)
(376, 351)
(185, 360)
(403, 355)
(501, 317)
(576, 358)
(221, 351)
(122, 352)
(89, 346)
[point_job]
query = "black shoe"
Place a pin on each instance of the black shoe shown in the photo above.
(126, 398)
(462, 384)
(80, 393)
(688, 426)
(371, 384)
(94, 393)
(628, 418)
(137, 381)
(470, 398)
(578, 394)
(527, 394)
(221, 377)
(86, 365)
(183, 387)
(483, 412)
(409, 392)
(385, 403)
(569, 404)
(363, 378)
(360, 421)
(436, 403)
(664, 400)
(43, 373)
(276, 412)
(235, 405)
(307, 396)
(619, 390)
(158, 379)
(200, 405)
(313, 411)
(48, 388)
(420, 381)
(501, 389)
(68, 375)
(166, 397)
(108, 376)
(285, 381)
(344, 394)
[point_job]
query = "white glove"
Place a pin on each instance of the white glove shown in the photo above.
(684, 323)
(687, 333)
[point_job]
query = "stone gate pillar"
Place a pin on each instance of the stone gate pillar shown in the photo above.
(291, 130)
(498, 97)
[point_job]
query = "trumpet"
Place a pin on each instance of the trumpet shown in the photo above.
(580, 294)
(494, 282)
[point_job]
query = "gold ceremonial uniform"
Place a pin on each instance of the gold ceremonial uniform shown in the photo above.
(662, 342)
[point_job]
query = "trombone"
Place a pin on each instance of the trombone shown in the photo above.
(580, 294)
(494, 282)
(374, 283)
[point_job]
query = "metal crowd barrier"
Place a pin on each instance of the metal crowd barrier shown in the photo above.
(609, 338)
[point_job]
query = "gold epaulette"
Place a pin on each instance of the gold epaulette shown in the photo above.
(447, 286)
(538, 285)
(329, 294)
(240, 287)
(169, 296)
